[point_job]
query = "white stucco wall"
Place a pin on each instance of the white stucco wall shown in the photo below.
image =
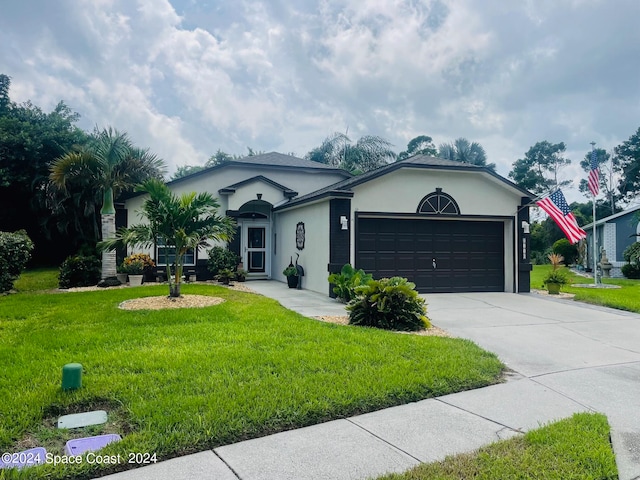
(249, 192)
(299, 180)
(314, 258)
(401, 192)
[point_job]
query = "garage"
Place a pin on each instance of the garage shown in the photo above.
(438, 255)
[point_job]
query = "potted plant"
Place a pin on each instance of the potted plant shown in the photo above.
(291, 273)
(241, 275)
(121, 274)
(556, 277)
(135, 269)
(147, 262)
(226, 275)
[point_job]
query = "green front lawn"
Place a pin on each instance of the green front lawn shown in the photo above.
(36, 279)
(625, 298)
(574, 448)
(185, 380)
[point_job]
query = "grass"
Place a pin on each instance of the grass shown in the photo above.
(185, 380)
(625, 298)
(574, 448)
(37, 279)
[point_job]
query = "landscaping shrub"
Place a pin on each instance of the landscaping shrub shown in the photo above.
(631, 271)
(541, 258)
(15, 252)
(347, 280)
(569, 252)
(389, 303)
(143, 258)
(632, 255)
(79, 271)
(222, 259)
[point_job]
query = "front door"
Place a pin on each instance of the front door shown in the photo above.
(255, 254)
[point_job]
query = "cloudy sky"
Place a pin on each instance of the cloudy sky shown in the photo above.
(186, 77)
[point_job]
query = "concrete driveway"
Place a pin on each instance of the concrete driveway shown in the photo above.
(568, 357)
(589, 354)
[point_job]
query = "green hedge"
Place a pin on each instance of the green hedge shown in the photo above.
(15, 252)
(79, 271)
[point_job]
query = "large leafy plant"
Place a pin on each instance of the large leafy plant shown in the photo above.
(346, 282)
(15, 252)
(389, 303)
(79, 271)
(221, 259)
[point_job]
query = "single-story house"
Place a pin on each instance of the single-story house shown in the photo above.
(446, 226)
(615, 233)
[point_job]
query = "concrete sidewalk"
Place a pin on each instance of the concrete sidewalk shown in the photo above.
(569, 357)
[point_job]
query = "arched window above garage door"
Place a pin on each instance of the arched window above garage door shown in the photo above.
(438, 203)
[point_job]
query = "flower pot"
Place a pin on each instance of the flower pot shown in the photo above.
(122, 277)
(135, 280)
(292, 281)
(553, 288)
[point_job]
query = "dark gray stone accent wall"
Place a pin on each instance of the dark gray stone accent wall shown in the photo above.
(339, 240)
(523, 251)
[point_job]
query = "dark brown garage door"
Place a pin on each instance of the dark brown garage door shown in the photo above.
(437, 255)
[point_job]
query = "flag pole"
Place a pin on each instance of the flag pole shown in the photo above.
(595, 255)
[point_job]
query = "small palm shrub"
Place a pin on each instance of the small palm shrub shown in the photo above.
(632, 255)
(79, 271)
(346, 282)
(388, 303)
(15, 252)
(222, 259)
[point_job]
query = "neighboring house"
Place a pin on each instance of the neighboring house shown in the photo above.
(615, 233)
(447, 226)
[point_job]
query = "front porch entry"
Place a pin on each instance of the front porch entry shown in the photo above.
(253, 242)
(254, 248)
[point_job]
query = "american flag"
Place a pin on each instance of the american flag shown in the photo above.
(594, 175)
(556, 206)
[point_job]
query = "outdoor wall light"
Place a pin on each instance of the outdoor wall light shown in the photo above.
(259, 195)
(344, 222)
(525, 227)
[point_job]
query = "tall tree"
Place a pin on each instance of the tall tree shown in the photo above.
(368, 153)
(221, 157)
(607, 186)
(422, 144)
(111, 164)
(30, 140)
(185, 170)
(5, 83)
(462, 150)
(627, 163)
(181, 222)
(539, 170)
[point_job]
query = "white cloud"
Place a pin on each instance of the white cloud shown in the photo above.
(185, 78)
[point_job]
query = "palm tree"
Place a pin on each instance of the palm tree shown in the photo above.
(368, 153)
(461, 150)
(109, 164)
(181, 223)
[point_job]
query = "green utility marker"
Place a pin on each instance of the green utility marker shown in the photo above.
(71, 376)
